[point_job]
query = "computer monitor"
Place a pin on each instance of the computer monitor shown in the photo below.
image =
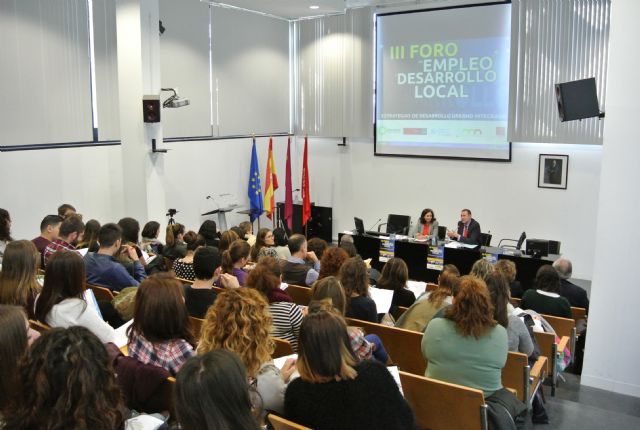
(359, 225)
(537, 247)
(442, 232)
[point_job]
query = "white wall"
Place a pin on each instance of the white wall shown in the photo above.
(613, 343)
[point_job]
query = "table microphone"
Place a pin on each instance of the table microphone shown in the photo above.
(376, 223)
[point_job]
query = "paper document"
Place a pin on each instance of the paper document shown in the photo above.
(90, 298)
(82, 251)
(121, 338)
(382, 298)
(147, 258)
(396, 376)
(417, 287)
(143, 422)
(279, 362)
(284, 286)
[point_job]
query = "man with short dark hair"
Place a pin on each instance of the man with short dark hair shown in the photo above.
(576, 295)
(468, 229)
(294, 269)
(71, 232)
(104, 270)
(49, 231)
(200, 295)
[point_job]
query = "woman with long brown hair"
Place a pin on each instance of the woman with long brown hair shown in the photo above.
(18, 284)
(353, 277)
(13, 346)
(264, 246)
(161, 332)
(174, 242)
(467, 346)
(239, 321)
(234, 259)
(332, 259)
(395, 275)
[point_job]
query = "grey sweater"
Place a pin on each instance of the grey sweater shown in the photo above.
(519, 338)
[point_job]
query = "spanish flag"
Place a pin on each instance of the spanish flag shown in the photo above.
(271, 184)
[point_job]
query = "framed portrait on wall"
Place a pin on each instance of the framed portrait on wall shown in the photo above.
(552, 171)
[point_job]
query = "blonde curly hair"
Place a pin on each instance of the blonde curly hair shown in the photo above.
(239, 321)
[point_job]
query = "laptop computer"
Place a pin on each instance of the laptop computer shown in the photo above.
(359, 225)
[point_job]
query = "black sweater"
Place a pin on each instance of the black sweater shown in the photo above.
(370, 401)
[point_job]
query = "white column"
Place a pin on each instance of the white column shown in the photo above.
(613, 341)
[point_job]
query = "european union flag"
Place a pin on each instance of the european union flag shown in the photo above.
(254, 188)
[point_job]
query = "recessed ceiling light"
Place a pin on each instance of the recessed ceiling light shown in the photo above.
(314, 7)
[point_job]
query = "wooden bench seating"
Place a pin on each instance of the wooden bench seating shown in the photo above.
(101, 293)
(564, 327)
(279, 423)
(517, 375)
(549, 349)
(283, 347)
(38, 326)
(300, 295)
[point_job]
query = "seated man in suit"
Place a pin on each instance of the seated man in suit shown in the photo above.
(468, 229)
(294, 269)
(576, 295)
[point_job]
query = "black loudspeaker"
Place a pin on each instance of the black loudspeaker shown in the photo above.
(151, 109)
(577, 100)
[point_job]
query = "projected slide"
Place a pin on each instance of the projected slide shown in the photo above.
(442, 82)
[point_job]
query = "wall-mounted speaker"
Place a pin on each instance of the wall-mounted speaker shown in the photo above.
(577, 99)
(151, 108)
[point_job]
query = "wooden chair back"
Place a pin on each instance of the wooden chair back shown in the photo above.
(515, 374)
(564, 327)
(279, 423)
(283, 347)
(403, 346)
(549, 349)
(300, 295)
(38, 326)
(185, 281)
(101, 293)
(196, 326)
(431, 286)
(578, 314)
(516, 302)
(439, 405)
(399, 311)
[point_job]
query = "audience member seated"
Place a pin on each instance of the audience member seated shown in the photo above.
(49, 231)
(337, 391)
(200, 295)
(150, 243)
(183, 267)
(90, 236)
(417, 317)
(5, 231)
(13, 346)
(18, 283)
(545, 298)
(331, 261)
(317, 246)
(71, 231)
(365, 347)
(226, 406)
(161, 331)
(240, 322)
(576, 295)
(354, 280)
(103, 268)
(247, 229)
(287, 316)
(426, 227)
(62, 303)
(226, 239)
(467, 346)
(508, 270)
(234, 259)
(481, 269)
(519, 339)
(66, 382)
(209, 231)
(295, 269)
(174, 244)
(65, 210)
(347, 244)
(264, 245)
(282, 246)
(395, 275)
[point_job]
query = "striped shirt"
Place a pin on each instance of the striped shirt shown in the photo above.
(287, 318)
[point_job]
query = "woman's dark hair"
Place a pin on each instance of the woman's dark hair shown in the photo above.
(331, 261)
(205, 262)
(66, 382)
(354, 278)
(262, 278)
(173, 231)
(160, 313)
(547, 279)
(426, 211)
(130, 230)
(499, 292)
(472, 310)
(280, 237)
(212, 393)
(5, 230)
(13, 345)
(193, 240)
(64, 279)
(260, 243)
(151, 230)
(18, 284)
(240, 232)
(91, 230)
(209, 230)
(394, 276)
(317, 245)
(329, 288)
(226, 239)
(237, 250)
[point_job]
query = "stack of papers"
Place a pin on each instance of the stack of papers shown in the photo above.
(121, 338)
(396, 376)
(417, 287)
(383, 299)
